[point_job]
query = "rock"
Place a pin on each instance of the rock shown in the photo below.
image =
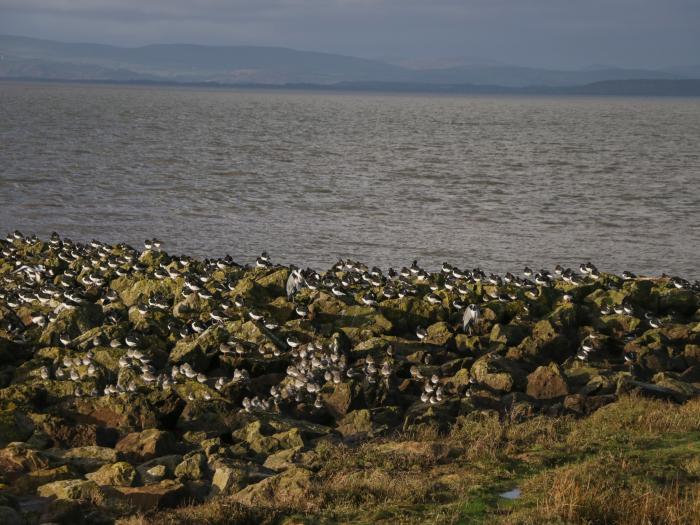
(66, 433)
(440, 334)
(467, 343)
(684, 302)
(282, 460)
(546, 343)
(356, 424)
(154, 474)
(407, 313)
(547, 382)
(149, 444)
(628, 385)
(341, 398)
(73, 489)
(232, 475)
(133, 291)
(292, 485)
(254, 436)
(192, 468)
(17, 459)
(14, 426)
(130, 413)
(692, 355)
(157, 469)
(369, 422)
(73, 322)
(498, 374)
(89, 458)
(9, 516)
(121, 474)
(28, 483)
(161, 495)
(683, 389)
(509, 334)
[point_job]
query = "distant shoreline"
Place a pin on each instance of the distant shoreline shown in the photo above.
(633, 88)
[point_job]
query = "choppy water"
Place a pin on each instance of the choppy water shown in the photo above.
(492, 181)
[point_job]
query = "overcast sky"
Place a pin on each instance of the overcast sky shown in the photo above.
(561, 33)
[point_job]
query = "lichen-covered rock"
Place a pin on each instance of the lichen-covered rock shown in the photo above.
(407, 313)
(440, 334)
(258, 439)
(509, 334)
(89, 458)
(290, 486)
(120, 474)
(283, 459)
(73, 489)
(498, 374)
(193, 467)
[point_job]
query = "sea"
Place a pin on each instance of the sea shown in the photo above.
(496, 182)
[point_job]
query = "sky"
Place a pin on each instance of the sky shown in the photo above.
(543, 33)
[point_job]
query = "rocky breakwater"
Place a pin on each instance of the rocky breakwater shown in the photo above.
(136, 380)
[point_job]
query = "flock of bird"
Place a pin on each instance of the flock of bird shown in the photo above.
(64, 275)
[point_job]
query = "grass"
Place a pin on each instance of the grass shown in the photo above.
(634, 462)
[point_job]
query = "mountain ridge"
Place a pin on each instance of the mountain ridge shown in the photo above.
(30, 58)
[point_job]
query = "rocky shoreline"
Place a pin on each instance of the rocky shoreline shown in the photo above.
(137, 380)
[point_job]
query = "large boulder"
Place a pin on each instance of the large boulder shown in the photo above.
(292, 485)
(149, 444)
(547, 382)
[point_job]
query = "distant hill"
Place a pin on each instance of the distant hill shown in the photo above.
(30, 58)
(193, 63)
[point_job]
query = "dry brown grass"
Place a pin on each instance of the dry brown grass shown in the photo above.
(216, 512)
(635, 462)
(608, 490)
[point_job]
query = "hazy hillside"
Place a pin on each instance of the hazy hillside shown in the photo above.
(187, 62)
(22, 57)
